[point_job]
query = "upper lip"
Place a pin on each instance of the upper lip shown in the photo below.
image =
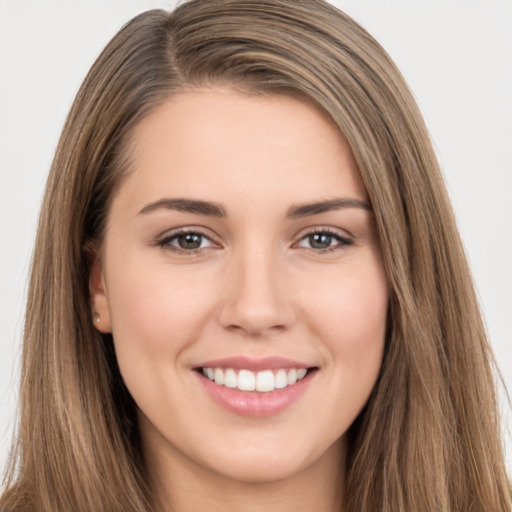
(253, 364)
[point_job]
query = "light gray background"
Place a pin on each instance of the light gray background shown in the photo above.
(456, 55)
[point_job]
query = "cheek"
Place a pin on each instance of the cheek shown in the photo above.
(349, 314)
(157, 312)
(351, 311)
(156, 309)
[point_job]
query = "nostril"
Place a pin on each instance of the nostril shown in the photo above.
(256, 329)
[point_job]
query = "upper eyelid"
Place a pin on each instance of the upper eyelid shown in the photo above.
(171, 233)
(342, 233)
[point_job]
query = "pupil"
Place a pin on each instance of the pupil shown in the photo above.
(320, 241)
(189, 241)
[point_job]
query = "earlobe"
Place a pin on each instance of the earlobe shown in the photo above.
(99, 298)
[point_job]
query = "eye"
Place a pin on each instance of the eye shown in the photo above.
(186, 241)
(324, 240)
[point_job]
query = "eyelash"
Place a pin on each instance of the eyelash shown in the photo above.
(342, 240)
(166, 241)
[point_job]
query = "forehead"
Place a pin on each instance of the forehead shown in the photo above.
(216, 142)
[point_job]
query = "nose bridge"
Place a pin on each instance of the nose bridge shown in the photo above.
(256, 299)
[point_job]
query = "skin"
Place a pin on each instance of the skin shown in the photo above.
(256, 287)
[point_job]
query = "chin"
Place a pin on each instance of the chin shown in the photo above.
(274, 463)
(261, 470)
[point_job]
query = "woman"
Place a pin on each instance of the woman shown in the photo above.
(248, 282)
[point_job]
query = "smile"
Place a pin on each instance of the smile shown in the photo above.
(247, 380)
(256, 388)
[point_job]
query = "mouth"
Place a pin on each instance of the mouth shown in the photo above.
(263, 381)
(255, 387)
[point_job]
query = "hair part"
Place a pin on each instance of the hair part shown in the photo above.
(78, 442)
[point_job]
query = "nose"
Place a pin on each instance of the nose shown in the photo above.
(257, 299)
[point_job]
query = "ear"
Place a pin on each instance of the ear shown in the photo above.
(99, 298)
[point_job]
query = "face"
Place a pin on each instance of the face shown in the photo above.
(242, 281)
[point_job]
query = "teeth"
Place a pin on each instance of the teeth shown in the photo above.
(245, 380)
(219, 376)
(301, 373)
(230, 379)
(292, 377)
(265, 381)
(281, 379)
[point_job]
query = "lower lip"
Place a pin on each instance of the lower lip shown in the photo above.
(255, 403)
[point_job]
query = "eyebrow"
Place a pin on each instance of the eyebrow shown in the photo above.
(316, 208)
(185, 205)
(215, 210)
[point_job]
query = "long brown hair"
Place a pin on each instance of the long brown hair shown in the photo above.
(428, 438)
